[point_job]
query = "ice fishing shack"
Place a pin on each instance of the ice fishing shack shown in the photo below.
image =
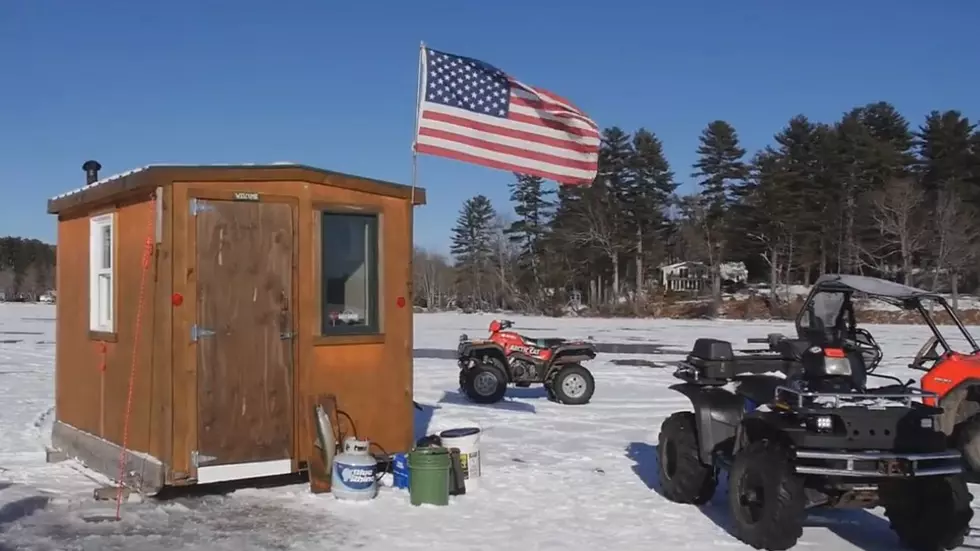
(202, 308)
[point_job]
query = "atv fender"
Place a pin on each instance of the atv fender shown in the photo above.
(959, 402)
(569, 355)
(477, 350)
(718, 413)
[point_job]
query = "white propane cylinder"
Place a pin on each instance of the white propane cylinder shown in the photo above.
(467, 441)
(353, 476)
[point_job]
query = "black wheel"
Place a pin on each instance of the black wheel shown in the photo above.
(966, 436)
(766, 497)
(929, 514)
(573, 385)
(683, 478)
(485, 382)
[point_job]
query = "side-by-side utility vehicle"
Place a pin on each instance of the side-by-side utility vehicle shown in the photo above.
(796, 426)
(487, 366)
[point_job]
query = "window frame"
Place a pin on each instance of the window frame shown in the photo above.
(98, 225)
(372, 331)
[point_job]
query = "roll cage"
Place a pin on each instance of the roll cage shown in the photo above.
(827, 316)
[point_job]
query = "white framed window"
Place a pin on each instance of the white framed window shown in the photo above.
(101, 259)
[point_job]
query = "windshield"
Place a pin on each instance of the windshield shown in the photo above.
(822, 320)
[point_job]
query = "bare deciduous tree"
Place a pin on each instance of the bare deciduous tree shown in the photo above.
(596, 226)
(956, 235)
(896, 211)
(434, 279)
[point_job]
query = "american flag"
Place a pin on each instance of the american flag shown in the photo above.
(473, 112)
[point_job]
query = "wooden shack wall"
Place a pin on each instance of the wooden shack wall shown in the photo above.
(87, 397)
(371, 376)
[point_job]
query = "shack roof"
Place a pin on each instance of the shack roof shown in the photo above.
(150, 176)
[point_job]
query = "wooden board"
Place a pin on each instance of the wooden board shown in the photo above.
(318, 472)
(244, 348)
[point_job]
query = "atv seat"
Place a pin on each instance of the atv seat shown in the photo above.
(716, 359)
(546, 342)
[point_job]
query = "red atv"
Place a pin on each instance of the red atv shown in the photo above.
(487, 366)
(953, 376)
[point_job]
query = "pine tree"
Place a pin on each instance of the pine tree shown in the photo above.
(895, 154)
(719, 168)
(534, 212)
(856, 172)
(608, 198)
(760, 212)
(472, 247)
(944, 143)
(651, 186)
(801, 213)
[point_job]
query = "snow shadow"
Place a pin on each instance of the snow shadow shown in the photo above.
(858, 527)
(13, 511)
(224, 489)
(531, 392)
(639, 363)
(645, 463)
(456, 398)
(423, 418)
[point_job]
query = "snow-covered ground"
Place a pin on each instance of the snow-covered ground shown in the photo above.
(554, 477)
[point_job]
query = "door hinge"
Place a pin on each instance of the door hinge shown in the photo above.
(286, 335)
(199, 205)
(198, 459)
(199, 333)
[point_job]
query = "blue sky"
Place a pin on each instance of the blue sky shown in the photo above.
(332, 84)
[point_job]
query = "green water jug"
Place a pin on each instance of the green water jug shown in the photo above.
(428, 479)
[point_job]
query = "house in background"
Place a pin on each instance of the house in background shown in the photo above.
(693, 276)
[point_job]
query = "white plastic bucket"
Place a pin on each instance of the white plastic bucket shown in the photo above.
(467, 441)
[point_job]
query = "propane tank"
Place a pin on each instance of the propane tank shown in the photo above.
(354, 473)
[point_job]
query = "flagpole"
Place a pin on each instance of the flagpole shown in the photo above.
(418, 108)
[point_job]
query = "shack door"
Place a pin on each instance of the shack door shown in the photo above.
(244, 339)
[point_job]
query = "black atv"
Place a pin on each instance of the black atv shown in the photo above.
(487, 366)
(795, 428)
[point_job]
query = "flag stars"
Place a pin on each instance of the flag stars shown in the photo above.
(466, 84)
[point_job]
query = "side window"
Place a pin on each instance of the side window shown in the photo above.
(101, 273)
(349, 271)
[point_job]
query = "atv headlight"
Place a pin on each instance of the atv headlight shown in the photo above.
(821, 423)
(837, 366)
(926, 422)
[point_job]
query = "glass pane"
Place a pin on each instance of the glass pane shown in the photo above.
(349, 242)
(824, 311)
(106, 247)
(105, 299)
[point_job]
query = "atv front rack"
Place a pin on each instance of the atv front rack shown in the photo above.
(878, 464)
(799, 399)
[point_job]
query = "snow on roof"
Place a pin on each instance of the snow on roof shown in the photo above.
(161, 165)
(676, 265)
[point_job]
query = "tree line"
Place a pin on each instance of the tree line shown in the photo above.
(26, 268)
(867, 194)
